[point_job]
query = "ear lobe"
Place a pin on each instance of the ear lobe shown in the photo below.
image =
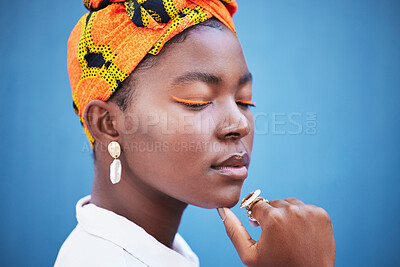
(100, 118)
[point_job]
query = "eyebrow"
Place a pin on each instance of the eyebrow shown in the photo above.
(197, 76)
(207, 78)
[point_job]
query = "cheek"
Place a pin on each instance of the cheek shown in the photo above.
(181, 132)
(171, 146)
(173, 153)
(188, 142)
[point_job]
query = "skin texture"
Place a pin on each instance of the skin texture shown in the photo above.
(170, 150)
(293, 234)
(158, 183)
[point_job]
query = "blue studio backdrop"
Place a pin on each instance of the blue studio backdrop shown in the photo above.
(326, 84)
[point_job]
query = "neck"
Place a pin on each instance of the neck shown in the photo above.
(158, 214)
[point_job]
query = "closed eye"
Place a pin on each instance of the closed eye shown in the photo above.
(246, 103)
(191, 103)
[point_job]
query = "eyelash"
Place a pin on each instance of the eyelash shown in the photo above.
(202, 104)
(191, 103)
(246, 103)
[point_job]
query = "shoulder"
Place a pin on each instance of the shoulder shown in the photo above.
(84, 249)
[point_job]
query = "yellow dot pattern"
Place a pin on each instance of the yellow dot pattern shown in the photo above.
(86, 44)
(130, 8)
(145, 18)
(200, 16)
(195, 15)
(86, 3)
(110, 74)
(154, 15)
(170, 8)
(94, 73)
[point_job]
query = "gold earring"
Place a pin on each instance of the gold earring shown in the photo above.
(115, 168)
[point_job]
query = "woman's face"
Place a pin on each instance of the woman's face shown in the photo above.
(185, 134)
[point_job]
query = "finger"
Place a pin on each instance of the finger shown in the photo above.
(237, 234)
(260, 210)
(294, 201)
(278, 203)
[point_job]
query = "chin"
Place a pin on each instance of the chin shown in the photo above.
(229, 202)
(225, 198)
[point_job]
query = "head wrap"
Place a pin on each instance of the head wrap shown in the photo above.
(110, 41)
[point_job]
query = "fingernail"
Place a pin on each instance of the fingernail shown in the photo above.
(221, 213)
(254, 223)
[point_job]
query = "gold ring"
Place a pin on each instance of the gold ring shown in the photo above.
(249, 201)
(248, 209)
(250, 198)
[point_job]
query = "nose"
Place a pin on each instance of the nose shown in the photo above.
(234, 125)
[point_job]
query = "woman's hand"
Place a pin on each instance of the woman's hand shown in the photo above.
(293, 234)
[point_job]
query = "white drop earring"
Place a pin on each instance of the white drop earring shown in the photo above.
(115, 168)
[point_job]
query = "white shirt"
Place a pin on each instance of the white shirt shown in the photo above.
(104, 238)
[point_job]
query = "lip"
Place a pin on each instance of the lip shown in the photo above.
(234, 167)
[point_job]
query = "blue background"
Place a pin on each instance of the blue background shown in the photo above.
(338, 59)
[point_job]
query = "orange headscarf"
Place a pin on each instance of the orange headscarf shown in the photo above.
(110, 41)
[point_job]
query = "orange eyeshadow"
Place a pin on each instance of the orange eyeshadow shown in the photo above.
(246, 102)
(192, 102)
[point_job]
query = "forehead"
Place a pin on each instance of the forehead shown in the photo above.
(206, 50)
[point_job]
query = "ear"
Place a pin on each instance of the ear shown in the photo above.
(101, 120)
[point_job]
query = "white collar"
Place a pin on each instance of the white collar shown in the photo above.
(133, 238)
